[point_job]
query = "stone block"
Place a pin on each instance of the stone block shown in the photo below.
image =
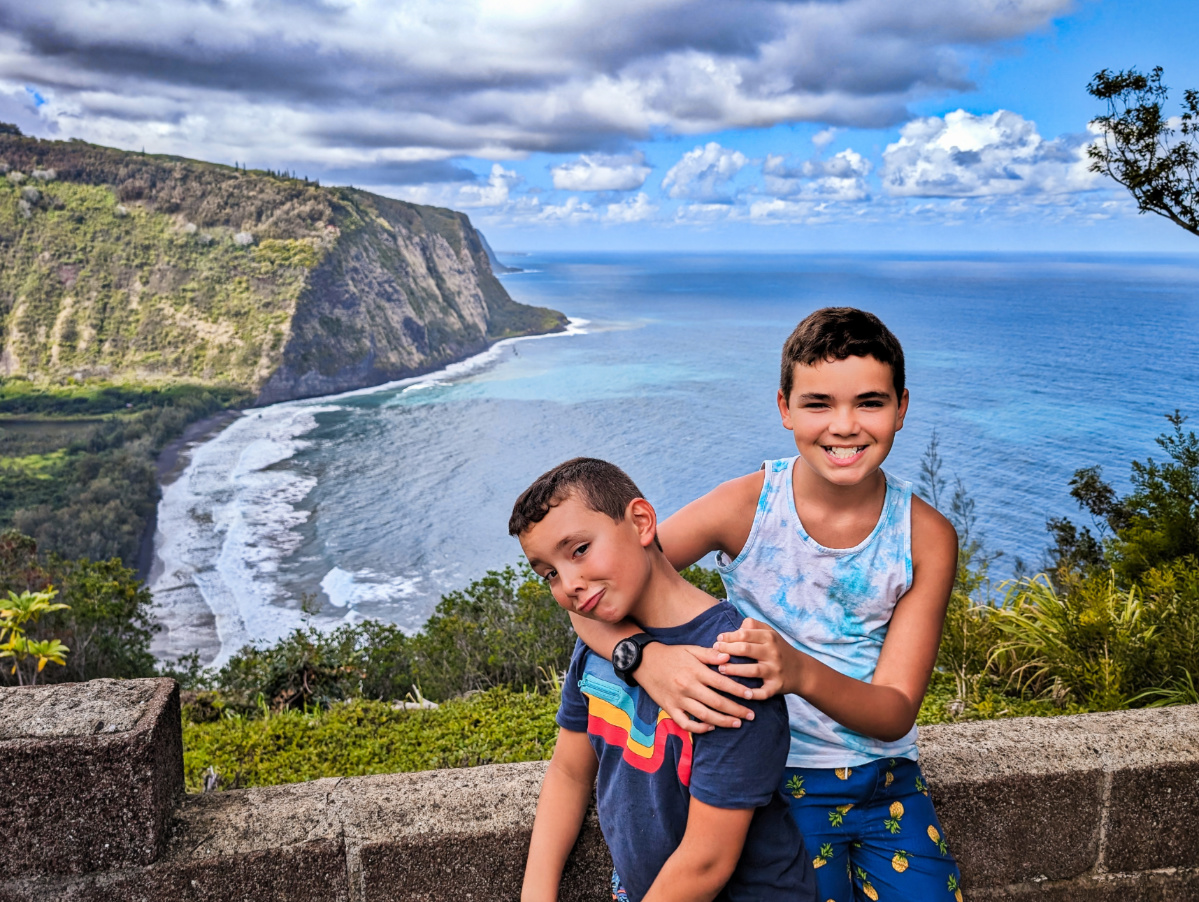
(1153, 759)
(315, 872)
(1016, 804)
(457, 835)
(89, 775)
(1170, 885)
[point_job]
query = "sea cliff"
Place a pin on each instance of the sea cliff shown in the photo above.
(148, 268)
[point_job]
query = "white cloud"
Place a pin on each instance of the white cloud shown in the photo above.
(824, 138)
(601, 172)
(634, 209)
(572, 212)
(705, 173)
(494, 194)
(285, 84)
(963, 155)
(841, 177)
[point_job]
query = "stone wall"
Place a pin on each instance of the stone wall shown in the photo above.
(1096, 807)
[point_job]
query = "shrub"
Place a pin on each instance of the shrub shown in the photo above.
(369, 737)
(502, 630)
(108, 625)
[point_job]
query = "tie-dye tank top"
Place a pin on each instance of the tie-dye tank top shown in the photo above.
(834, 604)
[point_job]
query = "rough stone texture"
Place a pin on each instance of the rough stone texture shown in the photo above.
(1098, 807)
(314, 873)
(458, 835)
(1167, 885)
(73, 709)
(1034, 799)
(92, 781)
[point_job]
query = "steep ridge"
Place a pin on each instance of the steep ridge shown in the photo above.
(152, 268)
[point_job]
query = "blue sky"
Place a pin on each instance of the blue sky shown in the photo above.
(856, 125)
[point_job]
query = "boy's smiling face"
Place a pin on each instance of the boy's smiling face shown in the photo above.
(844, 415)
(595, 566)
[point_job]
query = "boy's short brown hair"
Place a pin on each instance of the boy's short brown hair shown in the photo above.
(602, 486)
(835, 333)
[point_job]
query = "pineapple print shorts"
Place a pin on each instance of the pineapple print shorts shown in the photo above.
(872, 832)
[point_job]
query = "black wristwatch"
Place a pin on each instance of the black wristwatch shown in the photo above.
(626, 656)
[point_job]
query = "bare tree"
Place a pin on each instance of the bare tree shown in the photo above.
(1141, 147)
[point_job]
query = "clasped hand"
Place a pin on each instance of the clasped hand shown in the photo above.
(681, 680)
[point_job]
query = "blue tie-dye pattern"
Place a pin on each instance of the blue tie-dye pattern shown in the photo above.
(834, 604)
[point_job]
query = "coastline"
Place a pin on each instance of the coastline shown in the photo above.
(169, 464)
(193, 622)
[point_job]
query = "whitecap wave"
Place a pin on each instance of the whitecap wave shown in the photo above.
(233, 515)
(348, 590)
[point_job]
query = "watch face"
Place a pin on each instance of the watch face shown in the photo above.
(625, 654)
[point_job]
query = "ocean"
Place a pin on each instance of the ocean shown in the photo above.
(375, 503)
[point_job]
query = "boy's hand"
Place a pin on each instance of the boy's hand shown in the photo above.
(678, 679)
(777, 664)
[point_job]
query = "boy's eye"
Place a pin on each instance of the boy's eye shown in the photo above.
(549, 575)
(582, 549)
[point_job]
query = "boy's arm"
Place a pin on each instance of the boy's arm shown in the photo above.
(565, 793)
(705, 859)
(886, 707)
(678, 677)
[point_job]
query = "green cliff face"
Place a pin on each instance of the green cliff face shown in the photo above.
(154, 269)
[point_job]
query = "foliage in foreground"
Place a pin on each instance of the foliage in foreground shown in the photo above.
(502, 725)
(369, 737)
(106, 624)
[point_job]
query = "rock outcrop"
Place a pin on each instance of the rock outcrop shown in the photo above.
(152, 268)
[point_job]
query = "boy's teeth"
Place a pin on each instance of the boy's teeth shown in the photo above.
(845, 452)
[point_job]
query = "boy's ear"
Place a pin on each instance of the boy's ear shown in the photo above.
(903, 411)
(643, 516)
(784, 409)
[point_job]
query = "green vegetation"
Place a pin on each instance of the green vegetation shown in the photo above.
(77, 462)
(369, 737)
(104, 618)
(1113, 623)
(1141, 149)
(155, 269)
(18, 615)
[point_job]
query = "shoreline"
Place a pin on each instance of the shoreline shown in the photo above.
(197, 620)
(168, 465)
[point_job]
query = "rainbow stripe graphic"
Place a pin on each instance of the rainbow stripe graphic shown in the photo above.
(612, 715)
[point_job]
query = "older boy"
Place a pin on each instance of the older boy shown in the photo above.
(685, 818)
(846, 576)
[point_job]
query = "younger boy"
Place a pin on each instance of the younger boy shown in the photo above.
(685, 818)
(846, 576)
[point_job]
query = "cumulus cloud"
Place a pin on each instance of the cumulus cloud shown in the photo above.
(602, 172)
(824, 138)
(705, 173)
(841, 177)
(637, 208)
(357, 83)
(572, 212)
(963, 155)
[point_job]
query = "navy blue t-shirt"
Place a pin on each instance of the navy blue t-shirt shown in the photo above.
(649, 768)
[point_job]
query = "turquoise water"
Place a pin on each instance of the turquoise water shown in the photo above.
(1027, 367)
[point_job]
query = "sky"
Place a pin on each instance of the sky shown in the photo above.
(681, 125)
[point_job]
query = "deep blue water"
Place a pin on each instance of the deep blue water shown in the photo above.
(1027, 367)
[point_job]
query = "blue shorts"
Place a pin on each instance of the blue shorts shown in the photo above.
(873, 833)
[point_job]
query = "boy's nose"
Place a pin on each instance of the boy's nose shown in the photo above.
(845, 423)
(575, 582)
